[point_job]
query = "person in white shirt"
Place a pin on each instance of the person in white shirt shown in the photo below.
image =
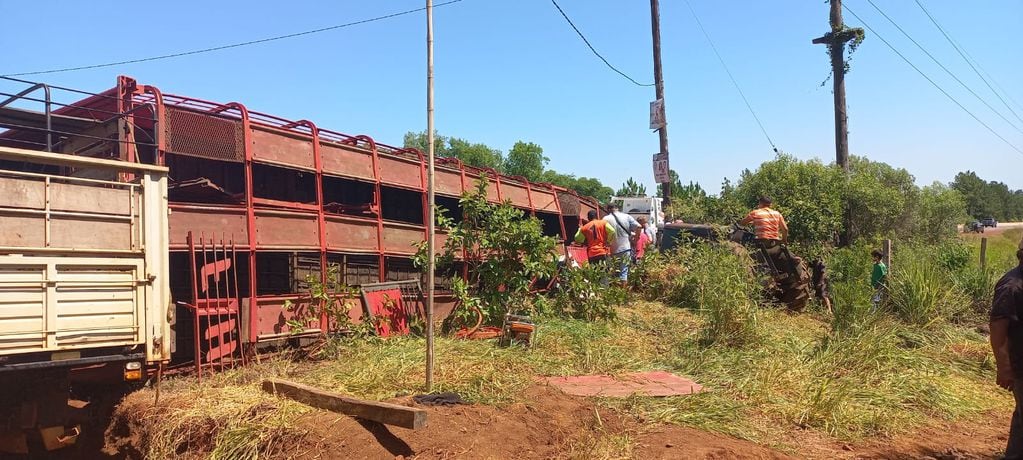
(627, 231)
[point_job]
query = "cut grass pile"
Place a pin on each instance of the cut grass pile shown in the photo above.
(852, 375)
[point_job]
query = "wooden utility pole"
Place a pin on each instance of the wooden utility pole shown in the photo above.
(836, 46)
(836, 40)
(662, 133)
(430, 215)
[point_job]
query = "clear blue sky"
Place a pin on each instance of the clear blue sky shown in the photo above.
(511, 70)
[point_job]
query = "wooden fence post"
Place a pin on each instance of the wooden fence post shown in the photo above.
(887, 250)
(983, 253)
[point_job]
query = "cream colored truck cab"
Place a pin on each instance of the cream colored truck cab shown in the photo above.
(83, 283)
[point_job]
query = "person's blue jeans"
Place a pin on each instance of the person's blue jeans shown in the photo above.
(624, 260)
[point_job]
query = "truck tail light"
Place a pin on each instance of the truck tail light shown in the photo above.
(133, 370)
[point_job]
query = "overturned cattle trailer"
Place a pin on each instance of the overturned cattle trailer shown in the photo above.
(259, 203)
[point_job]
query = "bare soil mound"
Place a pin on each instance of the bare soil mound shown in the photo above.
(550, 425)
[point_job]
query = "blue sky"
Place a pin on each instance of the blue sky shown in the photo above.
(511, 70)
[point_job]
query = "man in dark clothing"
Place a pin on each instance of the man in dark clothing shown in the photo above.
(1007, 345)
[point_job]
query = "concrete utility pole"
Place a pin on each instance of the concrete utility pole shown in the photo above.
(430, 217)
(662, 134)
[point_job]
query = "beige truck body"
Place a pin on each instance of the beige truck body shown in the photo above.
(83, 262)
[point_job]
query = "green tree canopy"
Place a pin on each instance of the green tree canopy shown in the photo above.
(526, 159)
(988, 199)
(631, 188)
(809, 194)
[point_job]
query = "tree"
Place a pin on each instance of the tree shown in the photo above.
(809, 194)
(415, 140)
(880, 198)
(473, 154)
(631, 188)
(478, 155)
(505, 251)
(939, 210)
(586, 186)
(988, 199)
(526, 159)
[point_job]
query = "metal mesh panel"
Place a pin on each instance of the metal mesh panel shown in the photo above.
(203, 135)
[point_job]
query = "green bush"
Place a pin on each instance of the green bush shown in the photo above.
(504, 249)
(585, 293)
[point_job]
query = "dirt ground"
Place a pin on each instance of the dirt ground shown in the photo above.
(555, 425)
(552, 425)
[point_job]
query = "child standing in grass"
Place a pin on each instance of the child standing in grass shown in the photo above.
(878, 277)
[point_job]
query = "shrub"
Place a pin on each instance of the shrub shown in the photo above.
(504, 249)
(584, 292)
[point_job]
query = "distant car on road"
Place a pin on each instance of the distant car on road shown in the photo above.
(989, 222)
(974, 227)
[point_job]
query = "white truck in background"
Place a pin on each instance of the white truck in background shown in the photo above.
(84, 290)
(642, 206)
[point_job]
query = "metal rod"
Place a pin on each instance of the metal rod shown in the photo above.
(430, 265)
(195, 303)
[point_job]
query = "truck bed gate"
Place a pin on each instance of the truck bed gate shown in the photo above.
(216, 321)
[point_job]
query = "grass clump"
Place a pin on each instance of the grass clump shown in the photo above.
(715, 280)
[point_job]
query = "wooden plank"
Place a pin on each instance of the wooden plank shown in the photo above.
(60, 159)
(390, 414)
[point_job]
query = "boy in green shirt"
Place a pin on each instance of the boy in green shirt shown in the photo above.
(878, 277)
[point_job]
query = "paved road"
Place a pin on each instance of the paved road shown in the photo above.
(1002, 226)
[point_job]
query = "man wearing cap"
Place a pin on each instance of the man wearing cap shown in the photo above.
(1007, 345)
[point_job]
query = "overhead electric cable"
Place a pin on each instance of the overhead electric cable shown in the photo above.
(963, 55)
(734, 83)
(594, 50)
(224, 47)
(949, 72)
(961, 106)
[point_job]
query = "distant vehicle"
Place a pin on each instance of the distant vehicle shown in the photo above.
(989, 222)
(642, 206)
(974, 227)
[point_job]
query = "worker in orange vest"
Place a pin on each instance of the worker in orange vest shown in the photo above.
(595, 234)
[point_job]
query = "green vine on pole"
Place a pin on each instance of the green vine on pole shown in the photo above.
(853, 35)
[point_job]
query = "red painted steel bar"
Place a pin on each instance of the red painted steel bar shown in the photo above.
(195, 305)
(378, 201)
(205, 305)
(320, 216)
(250, 216)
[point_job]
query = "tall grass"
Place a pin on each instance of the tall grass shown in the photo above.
(922, 293)
(715, 280)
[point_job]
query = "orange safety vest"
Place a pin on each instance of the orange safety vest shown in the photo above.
(595, 233)
(767, 223)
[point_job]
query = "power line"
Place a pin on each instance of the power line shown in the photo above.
(929, 79)
(734, 83)
(949, 72)
(224, 47)
(963, 55)
(594, 50)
